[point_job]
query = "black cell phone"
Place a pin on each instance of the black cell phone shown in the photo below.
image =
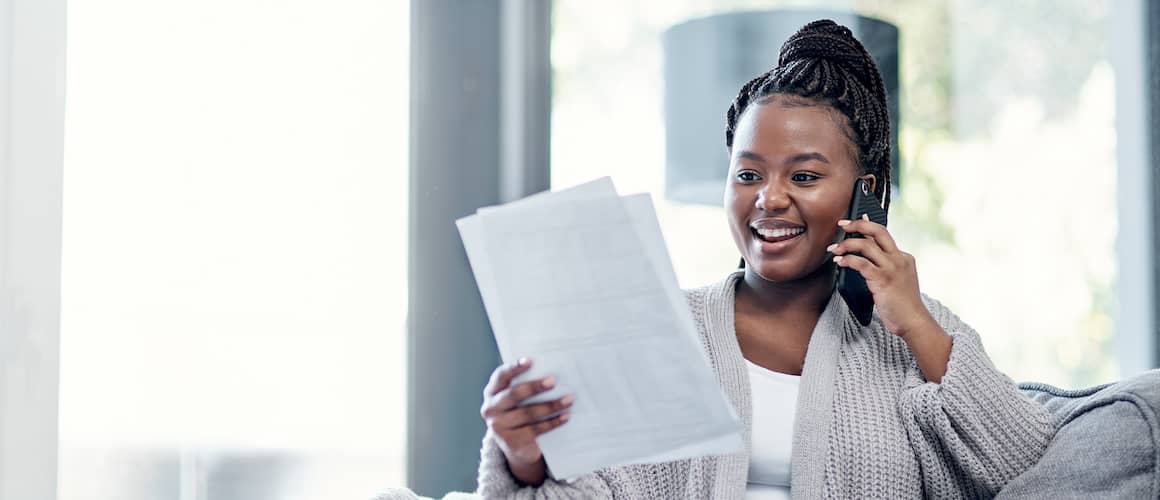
(851, 284)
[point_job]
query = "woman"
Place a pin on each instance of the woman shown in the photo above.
(907, 407)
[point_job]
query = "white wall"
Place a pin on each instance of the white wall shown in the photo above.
(32, 56)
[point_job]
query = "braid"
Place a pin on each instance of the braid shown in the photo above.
(824, 64)
(739, 104)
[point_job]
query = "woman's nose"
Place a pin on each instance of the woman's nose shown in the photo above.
(772, 198)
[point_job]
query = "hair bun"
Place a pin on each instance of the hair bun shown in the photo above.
(823, 62)
(824, 40)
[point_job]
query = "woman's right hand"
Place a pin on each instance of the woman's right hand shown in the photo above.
(516, 427)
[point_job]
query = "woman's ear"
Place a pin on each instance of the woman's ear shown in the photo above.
(873, 181)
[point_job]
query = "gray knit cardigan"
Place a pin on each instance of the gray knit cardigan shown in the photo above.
(868, 425)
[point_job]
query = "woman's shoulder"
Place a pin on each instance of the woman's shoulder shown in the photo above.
(716, 294)
(723, 286)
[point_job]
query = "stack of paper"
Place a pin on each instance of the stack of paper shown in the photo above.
(580, 281)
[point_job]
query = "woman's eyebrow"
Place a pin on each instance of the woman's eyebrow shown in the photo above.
(749, 155)
(798, 158)
(804, 157)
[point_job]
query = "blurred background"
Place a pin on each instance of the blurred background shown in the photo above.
(261, 291)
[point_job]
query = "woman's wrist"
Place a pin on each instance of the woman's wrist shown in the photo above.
(532, 474)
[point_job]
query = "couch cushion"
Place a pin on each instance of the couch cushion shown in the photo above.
(1107, 443)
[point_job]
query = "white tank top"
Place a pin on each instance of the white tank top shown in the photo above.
(774, 397)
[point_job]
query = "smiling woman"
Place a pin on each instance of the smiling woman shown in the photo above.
(912, 396)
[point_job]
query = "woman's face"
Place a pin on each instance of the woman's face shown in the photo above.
(791, 175)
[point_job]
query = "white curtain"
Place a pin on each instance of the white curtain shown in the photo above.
(32, 67)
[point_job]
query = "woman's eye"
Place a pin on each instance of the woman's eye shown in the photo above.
(803, 177)
(747, 177)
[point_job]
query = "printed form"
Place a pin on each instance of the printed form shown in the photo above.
(580, 281)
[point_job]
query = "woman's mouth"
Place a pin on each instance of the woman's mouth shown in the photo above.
(773, 240)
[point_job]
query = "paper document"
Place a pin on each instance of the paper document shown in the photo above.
(580, 281)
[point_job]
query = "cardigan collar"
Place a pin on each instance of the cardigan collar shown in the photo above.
(816, 390)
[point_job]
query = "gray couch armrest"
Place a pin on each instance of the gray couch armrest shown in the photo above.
(1107, 443)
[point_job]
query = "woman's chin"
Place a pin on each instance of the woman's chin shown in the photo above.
(777, 272)
(784, 271)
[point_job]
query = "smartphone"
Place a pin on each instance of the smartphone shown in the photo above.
(850, 282)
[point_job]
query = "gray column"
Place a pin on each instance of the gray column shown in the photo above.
(1133, 51)
(525, 97)
(480, 96)
(1153, 180)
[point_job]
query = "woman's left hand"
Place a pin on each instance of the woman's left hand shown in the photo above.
(890, 275)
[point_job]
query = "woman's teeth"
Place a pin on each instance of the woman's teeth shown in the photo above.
(780, 232)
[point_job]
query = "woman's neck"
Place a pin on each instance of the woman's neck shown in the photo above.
(806, 296)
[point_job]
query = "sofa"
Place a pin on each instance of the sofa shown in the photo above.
(1107, 443)
(1106, 446)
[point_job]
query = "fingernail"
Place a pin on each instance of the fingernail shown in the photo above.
(565, 417)
(865, 216)
(831, 247)
(838, 259)
(549, 382)
(523, 361)
(567, 400)
(843, 222)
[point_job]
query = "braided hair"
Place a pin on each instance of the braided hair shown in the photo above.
(823, 64)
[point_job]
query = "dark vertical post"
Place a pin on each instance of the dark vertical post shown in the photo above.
(1152, 38)
(480, 103)
(1134, 51)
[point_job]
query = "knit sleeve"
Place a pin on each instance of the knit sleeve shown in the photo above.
(496, 480)
(975, 431)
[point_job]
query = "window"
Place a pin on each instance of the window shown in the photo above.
(234, 268)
